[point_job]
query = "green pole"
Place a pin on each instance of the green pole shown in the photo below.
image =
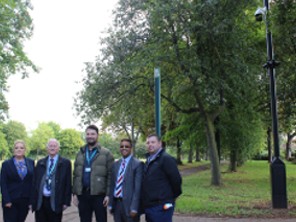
(157, 100)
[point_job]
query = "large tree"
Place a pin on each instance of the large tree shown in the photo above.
(205, 50)
(16, 27)
(284, 39)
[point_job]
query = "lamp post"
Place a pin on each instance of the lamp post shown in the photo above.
(157, 101)
(277, 166)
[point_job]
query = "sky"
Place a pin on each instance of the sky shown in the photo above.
(66, 35)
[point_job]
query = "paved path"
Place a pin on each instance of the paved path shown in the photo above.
(71, 215)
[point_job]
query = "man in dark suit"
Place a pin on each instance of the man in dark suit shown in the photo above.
(161, 182)
(125, 185)
(52, 185)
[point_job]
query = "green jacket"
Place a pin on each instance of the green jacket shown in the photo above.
(100, 176)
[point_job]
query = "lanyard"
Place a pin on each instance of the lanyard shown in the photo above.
(50, 171)
(90, 158)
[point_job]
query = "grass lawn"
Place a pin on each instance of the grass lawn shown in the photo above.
(246, 193)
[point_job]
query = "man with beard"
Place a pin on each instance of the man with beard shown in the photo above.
(91, 179)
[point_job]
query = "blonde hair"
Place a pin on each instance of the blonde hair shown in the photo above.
(19, 141)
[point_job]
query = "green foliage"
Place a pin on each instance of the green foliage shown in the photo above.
(13, 131)
(55, 127)
(284, 38)
(4, 148)
(16, 27)
(106, 140)
(39, 139)
(70, 142)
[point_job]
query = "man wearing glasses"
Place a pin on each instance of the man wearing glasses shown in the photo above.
(125, 187)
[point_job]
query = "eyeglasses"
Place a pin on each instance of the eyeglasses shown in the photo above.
(127, 147)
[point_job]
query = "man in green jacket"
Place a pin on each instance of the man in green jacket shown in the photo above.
(91, 179)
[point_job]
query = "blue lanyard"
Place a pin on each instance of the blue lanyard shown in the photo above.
(50, 171)
(89, 158)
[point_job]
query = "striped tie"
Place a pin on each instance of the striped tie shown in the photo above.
(119, 182)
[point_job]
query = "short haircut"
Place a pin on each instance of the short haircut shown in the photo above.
(19, 141)
(53, 140)
(93, 127)
(154, 135)
(126, 140)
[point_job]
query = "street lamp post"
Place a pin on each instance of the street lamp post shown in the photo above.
(277, 166)
(157, 101)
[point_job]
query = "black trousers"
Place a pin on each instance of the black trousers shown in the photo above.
(46, 214)
(17, 212)
(89, 204)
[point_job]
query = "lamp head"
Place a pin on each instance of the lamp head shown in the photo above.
(260, 14)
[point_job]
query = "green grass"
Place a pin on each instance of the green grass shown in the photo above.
(246, 193)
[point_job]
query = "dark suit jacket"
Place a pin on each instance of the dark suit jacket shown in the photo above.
(12, 186)
(62, 180)
(131, 184)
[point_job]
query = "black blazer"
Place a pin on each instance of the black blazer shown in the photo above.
(63, 181)
(12, 186)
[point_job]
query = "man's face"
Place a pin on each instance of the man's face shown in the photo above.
(52, 148)
(153, 145)
(125, 149)
(91, 137)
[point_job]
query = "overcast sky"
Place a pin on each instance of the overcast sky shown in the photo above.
(66, 34)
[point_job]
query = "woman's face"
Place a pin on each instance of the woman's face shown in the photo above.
(19, 150)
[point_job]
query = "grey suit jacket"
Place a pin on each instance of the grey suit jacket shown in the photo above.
(131, 185)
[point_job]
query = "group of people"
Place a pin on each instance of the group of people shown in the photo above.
(127, 187)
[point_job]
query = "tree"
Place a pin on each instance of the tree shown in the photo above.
(55, 127)
(107, 141)
(4, 148)
(202, 47)
(39, 139)
(284, 38)
(14, 130)
(70, 142)
(16, 27)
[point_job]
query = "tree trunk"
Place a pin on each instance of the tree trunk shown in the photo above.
(288, 146)
(269, 144)
(190, 154)
(213, 153)
(197, 154)
(218, 137)
(233, 161)
(179, 159)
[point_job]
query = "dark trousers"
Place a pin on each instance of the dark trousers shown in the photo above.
(158, 214)
(119, 212)
(17, 212)
(89, 204)
(46, 214)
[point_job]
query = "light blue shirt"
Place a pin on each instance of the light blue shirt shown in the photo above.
(46, 192)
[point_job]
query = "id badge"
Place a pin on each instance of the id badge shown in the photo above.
(87, 169)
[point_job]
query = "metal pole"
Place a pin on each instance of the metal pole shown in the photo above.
(157, 101)
(277, 166)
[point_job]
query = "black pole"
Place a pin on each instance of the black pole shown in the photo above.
(277, 166)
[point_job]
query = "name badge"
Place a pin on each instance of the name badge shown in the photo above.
(87, 169)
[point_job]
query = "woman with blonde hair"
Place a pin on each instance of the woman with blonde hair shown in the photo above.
(16, 184)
